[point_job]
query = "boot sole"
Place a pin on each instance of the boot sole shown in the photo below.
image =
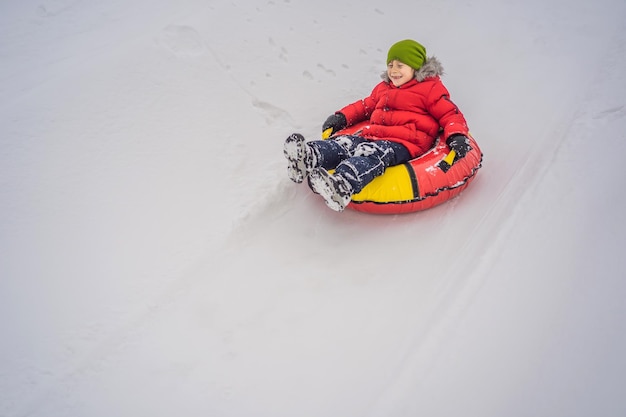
(294, 152)
(322, 183)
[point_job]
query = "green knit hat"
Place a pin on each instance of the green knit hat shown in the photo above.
(409, 52)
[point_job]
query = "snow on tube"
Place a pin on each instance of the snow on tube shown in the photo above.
(418, 184)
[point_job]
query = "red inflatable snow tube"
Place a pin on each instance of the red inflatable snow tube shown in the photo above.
(419, 184)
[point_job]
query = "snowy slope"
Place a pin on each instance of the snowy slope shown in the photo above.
(155, 259)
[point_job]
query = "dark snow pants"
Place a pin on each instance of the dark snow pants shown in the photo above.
(357, 159)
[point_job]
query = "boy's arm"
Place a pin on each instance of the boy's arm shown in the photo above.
(449, 116)
(453, 123)
(362, 109)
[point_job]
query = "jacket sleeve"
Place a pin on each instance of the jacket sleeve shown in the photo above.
(361, 110)
(445, 111)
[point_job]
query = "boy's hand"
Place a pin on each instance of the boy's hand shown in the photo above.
(334, 123)
(460, 144)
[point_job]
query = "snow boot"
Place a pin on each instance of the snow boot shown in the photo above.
(300, 157)
(334, 189)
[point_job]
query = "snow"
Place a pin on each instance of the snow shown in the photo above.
(155, 259)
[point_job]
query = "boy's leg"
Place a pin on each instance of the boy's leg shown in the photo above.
(332, 151)
(369, 161)
(303, 156)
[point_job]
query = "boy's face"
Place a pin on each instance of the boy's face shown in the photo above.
(399, 73)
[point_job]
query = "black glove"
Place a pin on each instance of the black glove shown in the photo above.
(459, 144)
(335, 122)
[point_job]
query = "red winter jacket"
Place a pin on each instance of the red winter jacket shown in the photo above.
(411, 114)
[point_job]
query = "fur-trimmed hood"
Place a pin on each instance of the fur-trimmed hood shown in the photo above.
(431, 68)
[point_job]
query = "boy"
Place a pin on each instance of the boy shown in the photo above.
(405, 113)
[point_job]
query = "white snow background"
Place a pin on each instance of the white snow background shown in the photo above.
(156, 261)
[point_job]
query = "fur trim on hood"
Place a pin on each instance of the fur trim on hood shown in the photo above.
(431, 68)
